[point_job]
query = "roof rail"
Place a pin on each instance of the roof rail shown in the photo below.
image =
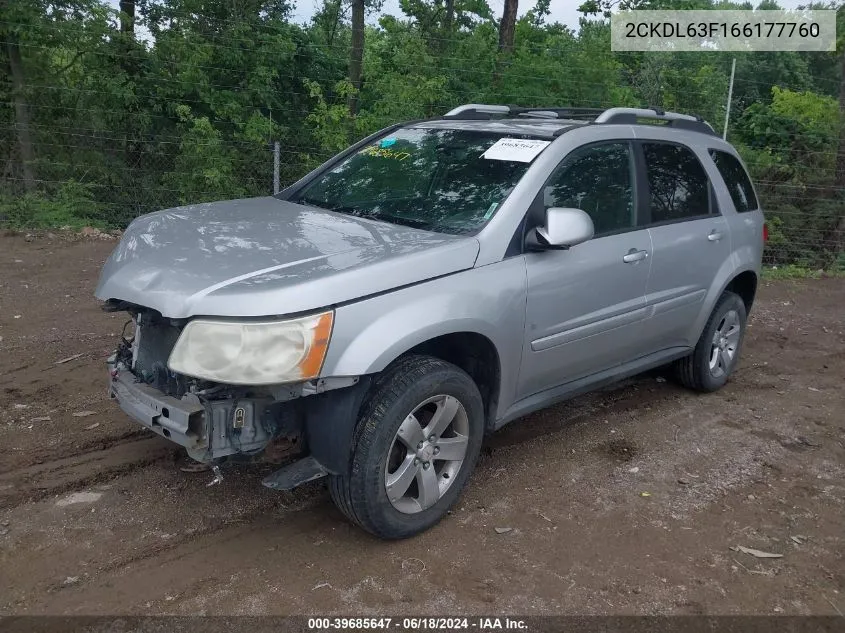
(479, 108)
(674, 119)
(560, 113)
(629, 116)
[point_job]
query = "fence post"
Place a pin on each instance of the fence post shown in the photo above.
(730, 98)
(276, 152)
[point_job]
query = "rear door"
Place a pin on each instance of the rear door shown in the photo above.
(585, 305)
(690, 239)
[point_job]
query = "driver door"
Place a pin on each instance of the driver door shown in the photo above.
(586, 305)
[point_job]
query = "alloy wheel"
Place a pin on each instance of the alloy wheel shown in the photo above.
(725, 344)
(426, 454)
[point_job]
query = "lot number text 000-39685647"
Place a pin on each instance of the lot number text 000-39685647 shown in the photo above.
(417, 624)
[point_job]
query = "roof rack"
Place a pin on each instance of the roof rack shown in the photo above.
(625, 116)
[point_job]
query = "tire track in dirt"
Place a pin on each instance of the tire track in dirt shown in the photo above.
(240, 522)
(38, 457)
(33, 483)
(155, 546)
(216, 532)
(175, 569)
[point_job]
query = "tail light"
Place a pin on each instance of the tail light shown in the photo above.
(765, 232)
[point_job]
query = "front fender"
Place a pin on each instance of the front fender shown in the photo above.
(369, 334)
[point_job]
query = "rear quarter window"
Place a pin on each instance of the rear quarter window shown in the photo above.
(737, 181)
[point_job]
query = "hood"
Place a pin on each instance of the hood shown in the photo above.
(263, 256)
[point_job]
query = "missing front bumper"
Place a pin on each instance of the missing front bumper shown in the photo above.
(179, 421)
(208, 429)
(318, 427)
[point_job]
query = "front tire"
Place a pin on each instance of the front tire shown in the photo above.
(717, 352)
(415, 445)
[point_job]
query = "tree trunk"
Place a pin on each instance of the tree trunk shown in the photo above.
(335, 24)
(450, 17)
(507, 26)
(127, 16)
(21, 111)
(356, 53)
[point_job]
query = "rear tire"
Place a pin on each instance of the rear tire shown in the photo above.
(416, 399)
(717, 352)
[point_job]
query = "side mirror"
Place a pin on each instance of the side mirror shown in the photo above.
(564, 228)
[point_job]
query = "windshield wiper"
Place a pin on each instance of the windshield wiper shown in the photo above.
(346, 209)
(383, 217)
(311, 202)
(395, 219)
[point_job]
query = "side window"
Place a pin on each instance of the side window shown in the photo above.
(737, 181)
(599, 180)
(678, 184)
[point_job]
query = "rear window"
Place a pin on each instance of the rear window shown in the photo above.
(737, 181)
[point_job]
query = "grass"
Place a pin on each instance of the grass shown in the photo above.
(796, 271)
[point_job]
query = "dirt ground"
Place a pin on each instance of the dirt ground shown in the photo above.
(628, 501)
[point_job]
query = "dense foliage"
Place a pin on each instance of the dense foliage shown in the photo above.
(106, 114)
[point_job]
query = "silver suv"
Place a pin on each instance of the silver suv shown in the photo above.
(439, 279)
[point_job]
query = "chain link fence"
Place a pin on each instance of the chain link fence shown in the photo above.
(106, 165)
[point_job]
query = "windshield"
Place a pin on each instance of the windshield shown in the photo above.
(439, 180)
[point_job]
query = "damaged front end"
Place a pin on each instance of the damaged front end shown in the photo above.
(221, 422)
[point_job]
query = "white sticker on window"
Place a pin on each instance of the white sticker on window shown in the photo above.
(522, 150)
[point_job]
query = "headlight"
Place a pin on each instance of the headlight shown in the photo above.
(261, 353)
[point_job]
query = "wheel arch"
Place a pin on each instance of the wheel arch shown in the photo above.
(744, 284)
(742, 281)
(475, 354)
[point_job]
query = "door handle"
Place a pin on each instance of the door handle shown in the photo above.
(714, 235)
(634, 256)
